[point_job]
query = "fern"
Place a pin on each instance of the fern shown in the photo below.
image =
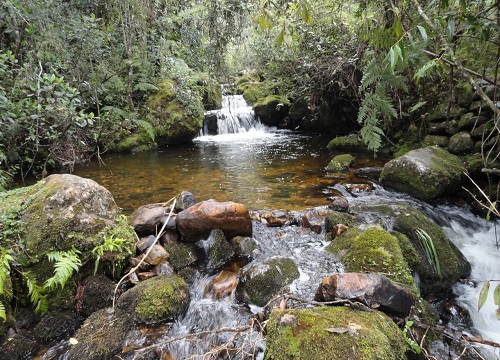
(430, 251)
(5, 260)
(145, 87)
(147, 127)
(36, 294)
(110, 244)
(3, 313)
(66, 263)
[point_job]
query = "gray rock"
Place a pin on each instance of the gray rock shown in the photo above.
(461, 143)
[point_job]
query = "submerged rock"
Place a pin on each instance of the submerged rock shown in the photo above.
(333, 333)
(261, 282)
(218, 251)
(425, 173)
(340, 163)
(196, 222)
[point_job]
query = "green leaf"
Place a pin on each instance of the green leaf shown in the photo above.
(463, 5)
(496, 295)
(278, 40)
(3, 313)
(398, 28)
(392, 58)
(145, 87)
(490, 210)
(451, 27)
(483, 294)
(147, 127)
(417, 106)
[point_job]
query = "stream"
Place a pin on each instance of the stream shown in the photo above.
(265, 168)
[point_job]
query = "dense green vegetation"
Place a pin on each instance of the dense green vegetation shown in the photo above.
(78, 77)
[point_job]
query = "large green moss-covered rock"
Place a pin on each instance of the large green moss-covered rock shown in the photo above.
(406, 220)
(346, 143)
(374, 250)
(272, 109)
(177, 115)
(159, 299)
(425, 173)
(333, 333)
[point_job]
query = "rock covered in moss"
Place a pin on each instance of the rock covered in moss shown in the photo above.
(102, 335)
(461, 143)
(272, 109)
(374, 250)
(161, 298)
(175, 120)
(346, 143)
(333, 333)
(437, 140)
(197, 221)
(333, 218)
(340, 163)
(406, 220)
(218, 251)
(261, 282)
(425, 173)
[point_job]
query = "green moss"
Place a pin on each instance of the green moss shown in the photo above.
(441, 141)
(181, 255)
(340, 163)
(162, 298)
(332, 333)
(376, 251)
(333, 218)
(409, 253)
(299, 109)
(136, 142)
(268, 105)
(346, 143)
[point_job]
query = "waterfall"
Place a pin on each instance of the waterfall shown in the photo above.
(235, 117)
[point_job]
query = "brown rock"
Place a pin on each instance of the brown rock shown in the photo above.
(147, 220)
(199, 220)
(157, 255)
(223, 284)
(338, 230)
(275, 218)
(144, 243)
(169, 236)
(145, 275)
(339, 203)
(373, 290)
(314, 220)
(357, 188)
(145, 266)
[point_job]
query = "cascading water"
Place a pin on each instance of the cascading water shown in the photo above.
(235, 117)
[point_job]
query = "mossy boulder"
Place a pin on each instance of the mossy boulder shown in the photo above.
(340, 163)
(405, 219)
(217, 249)
(298, 110)
(375, 251)
(346, 143)
(333, 218)
(209, 89)
(261, 282)
(136, 142)
(437, 140)
(176, 115)
(461, 143)
(333, 333)
(159, 299)
(425, 173)
(272, 109)
(102, 335)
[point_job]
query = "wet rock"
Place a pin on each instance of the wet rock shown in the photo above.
(340, 163)
(338, 230)
(97, 293)
(425, 173)
(275, 218)
(314, 219)
(142, 276)
(370, 289)
(19, 347)
(55, 325)
(157, 255)
(196, 222)
(461, 143)
(243, 245)
(333, 218)
(102, 335)
(369, 171)
(373, 250)
(271, 109)
(161, 298)
(143, 244)
(405, 220)
(218, 251)
(359, 188)
(210, 123)
(182, 255)
(163, 268)
(146, 220)
(169, 236)
(261, 282)
(346, 143)
(333, 333)
(184, 201)
(339, 203)
(223, 285)
(144, 265)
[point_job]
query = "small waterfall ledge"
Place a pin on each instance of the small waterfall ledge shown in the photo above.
(235, 117)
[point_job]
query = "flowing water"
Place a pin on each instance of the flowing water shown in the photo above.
(265, 168)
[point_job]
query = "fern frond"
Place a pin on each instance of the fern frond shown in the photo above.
(145, 87)
(5, 260)
(66, 263)
(3, 313)
(36, 294)
(110, 244)
(147, 127)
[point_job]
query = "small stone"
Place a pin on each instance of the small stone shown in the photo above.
(338, 230)
(143, 244)
(339, 203)
(163, 268)
(157, 255)
(145, 275)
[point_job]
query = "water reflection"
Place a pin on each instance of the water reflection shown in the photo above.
(276, 169)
